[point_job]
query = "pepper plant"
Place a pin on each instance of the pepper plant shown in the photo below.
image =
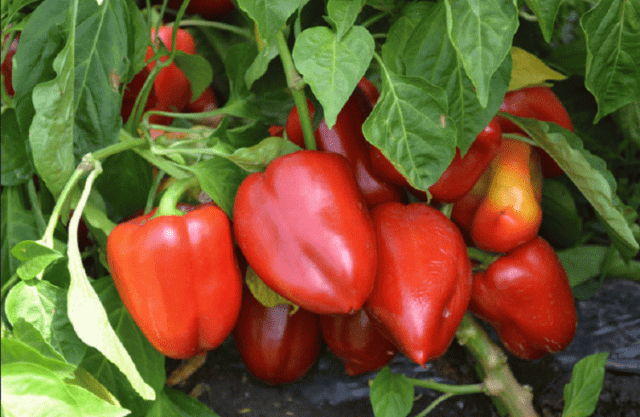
(95, 133)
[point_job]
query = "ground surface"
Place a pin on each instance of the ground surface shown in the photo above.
(610, 321)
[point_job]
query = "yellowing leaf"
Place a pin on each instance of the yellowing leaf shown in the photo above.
(265, 295)
(528, 70)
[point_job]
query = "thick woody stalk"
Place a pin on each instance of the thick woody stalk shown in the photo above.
(499, 381)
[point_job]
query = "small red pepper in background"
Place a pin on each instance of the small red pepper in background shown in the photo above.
(171, 86)
(205, 103)
(178, 277)
(356, 340)
(539, 103)
(346, 138)
(525, 295)
(304, 228)
(423, 285)
(507, 212)
(276, 347)
(7, 64)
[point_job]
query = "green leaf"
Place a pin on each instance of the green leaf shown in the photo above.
(35, 258)
(581, 394)
(410, 125)
(197, 69)
(429, 54)
(612, 30)
(69, 99)
(220, 178)
(546, 12)
(84, 379)
(16, 351)
(257, 157)
(87, 313)
(561, 222)
(269, 16)
(16, 166)
(51, 132)
(148, 359)
(44, 306)
(482, 33)
(331, 66)
(260, 64)
(585, 262)
(391, 394)
(343, 14)
(18, 224)
(124, 171)
(174, 403)
(588, 172)
(30, 389)
(264, 294)
(399, 34)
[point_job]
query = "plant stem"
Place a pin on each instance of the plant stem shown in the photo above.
(219, 25)
(499, 381)
(169, 202)
(296, 85)
(35, 206)
(448, 388)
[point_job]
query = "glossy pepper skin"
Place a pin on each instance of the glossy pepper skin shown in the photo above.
(507, 212)
(7, 64)
(525, 295)
(423, 284)
(539, 103)
(178, 277)
(276, 347)
(356, 340)
(346, 138)
(304, 228)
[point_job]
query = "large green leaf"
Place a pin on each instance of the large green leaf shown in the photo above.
(410, 125)
(430, 54)
(70, 64)
(174, 403)
(581, 394)
(149, 360)
(44, 307)
(30, 389)
(332, 66)
(482, 33)
(612, 30)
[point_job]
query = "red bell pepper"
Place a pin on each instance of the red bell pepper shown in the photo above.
(503, 211)
(423, 285)
(304, 228)
(356, 340)
(275, 346)
(178, 277)
(539, 103)
(171, 86)
(525, 295)
(346, 138)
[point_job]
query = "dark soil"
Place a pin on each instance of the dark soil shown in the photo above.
(610, 321)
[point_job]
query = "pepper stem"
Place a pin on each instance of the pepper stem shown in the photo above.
(169, 203)
(296, 85)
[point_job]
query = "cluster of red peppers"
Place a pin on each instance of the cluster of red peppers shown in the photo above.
(171, 89)
(332, 231)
